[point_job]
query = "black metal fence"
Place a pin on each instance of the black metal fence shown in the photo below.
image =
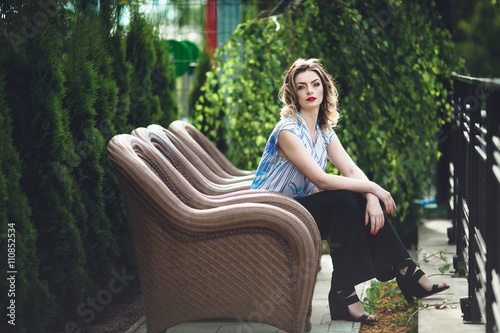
(475, 199)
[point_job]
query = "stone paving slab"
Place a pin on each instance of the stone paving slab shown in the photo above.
(433, 241)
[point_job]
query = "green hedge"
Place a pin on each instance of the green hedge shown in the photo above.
(389, 59)
(19, 239)
(69, 81)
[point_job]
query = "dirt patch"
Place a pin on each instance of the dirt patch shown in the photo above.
(393, 314)
(119, 315)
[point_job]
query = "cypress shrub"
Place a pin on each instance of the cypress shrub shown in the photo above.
(41, 133)
(69, 80)
(34, 304)
(163, 85)
(141, 53)
(108, 114)
(122, 71)
(107, 92)
(88, 90)
(115, 43)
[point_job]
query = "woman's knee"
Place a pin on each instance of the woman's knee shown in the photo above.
(353, 201)
(345, 208)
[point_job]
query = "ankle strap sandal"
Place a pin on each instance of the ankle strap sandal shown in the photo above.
(339, 303)
(408, 282)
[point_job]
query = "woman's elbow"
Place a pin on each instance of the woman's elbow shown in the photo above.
(321, 182)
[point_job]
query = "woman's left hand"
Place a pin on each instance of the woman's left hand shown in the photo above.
(374, 214)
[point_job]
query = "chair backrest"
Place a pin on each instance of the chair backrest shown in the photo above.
(201, 144)
(190, 194)
(139, 168)
(183, 166)
(150, 186)
(213, 151)
(199, 160)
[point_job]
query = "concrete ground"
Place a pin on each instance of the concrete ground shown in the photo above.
(443, 313)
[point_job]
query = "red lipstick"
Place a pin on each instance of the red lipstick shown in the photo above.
(311, 99)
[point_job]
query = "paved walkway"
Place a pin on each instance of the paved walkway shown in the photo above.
(446, 318)
(443, 314)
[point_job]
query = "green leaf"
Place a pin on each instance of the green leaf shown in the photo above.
(444, 268)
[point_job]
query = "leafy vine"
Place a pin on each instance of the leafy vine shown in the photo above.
(391, 62)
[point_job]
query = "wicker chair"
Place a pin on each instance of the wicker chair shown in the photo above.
(201, 145)
(198, 175)
(229, 258)
(191, 195)
(199, 158)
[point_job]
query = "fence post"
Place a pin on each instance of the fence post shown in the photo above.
(493, 211)
(476, 194)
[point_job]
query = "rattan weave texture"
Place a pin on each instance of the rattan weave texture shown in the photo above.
(202, 145)
(193, 196)
(203, 162)
(213, 256)
(196, 177)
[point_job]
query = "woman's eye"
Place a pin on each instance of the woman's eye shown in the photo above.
(316, 84)
(300, 87)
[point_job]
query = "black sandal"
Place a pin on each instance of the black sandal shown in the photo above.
(408, 283)
(339, 310)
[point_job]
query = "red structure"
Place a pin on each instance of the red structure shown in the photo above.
(211, 24)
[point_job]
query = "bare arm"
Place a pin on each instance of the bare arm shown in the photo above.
(343, 162)
(353, 180)
(293, 149)
(339, 157)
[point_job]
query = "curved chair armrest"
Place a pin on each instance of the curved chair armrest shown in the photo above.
(274, 199)
(200, 160)
(163, 144)
(212, 150)
(158, 195)
(209, 153)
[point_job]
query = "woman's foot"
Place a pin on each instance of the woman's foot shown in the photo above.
(414, 283)
(345, 305)
(356, 310)
(424, 281)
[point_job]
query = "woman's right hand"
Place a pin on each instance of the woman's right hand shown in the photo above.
(385, 197)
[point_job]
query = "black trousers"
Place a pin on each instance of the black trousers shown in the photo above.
(357, 255)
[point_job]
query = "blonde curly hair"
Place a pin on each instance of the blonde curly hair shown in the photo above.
(329, 114)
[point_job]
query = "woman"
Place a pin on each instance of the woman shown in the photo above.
(349, 209)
